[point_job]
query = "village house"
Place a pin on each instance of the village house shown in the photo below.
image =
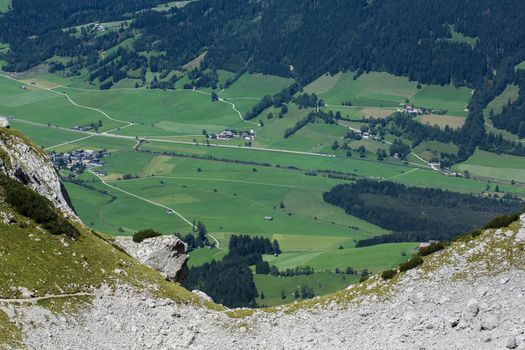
(78, 160)
(225, 135)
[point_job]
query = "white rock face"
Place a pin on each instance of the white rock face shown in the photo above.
(4, 122)
(202, 295)
(166, 254)
(34, 169)
(520, 236)
(475, 305)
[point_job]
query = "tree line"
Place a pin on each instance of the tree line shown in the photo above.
(416, 214)
(230, 281)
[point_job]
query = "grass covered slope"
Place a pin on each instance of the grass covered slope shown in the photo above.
(53, 267)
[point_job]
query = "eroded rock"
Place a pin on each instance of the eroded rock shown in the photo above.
(166, 254)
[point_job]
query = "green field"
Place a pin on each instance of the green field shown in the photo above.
(461, 38)
(322, 283)
(158, 113)
(256, 86)
(495, 166)
(383, 90)
(375, 258)
(510, 93)
(53, 108)
(520, 66)
(4, 5)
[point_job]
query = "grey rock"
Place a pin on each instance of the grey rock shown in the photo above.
(489, 322)
(34, 169)
(202, 295)
(472, 307)
(166, 254)
(4, 122)
(511, 343)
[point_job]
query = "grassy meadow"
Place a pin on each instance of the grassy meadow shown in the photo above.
(378, 90)
(495, 166)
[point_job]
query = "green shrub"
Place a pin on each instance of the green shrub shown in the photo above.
(388, 274)
(475, 233)
(32, 205)
(502, 221)
(143, 234)
(415, 261)
(432, 248)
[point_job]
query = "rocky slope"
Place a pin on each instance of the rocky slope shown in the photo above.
(469, 296)
(21, 160)
(85, 293)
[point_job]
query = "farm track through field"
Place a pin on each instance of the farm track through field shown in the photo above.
(222, 100)
(153, 203)
(70, 100)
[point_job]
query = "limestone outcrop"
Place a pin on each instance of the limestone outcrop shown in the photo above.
(21, 160)
(166, 254)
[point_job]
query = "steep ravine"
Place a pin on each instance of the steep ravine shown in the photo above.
(85, 293)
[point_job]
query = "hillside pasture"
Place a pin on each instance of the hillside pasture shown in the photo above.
(442, 120)
(385, 91)
(510, 93)
(4, 5)
(158, 112)
(520, 66)
(23, 100)
(495, 166)
(256, 85)
(374, 258)
(322, 283)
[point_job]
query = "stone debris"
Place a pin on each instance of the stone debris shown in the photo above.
(7, 218)
(459, 304)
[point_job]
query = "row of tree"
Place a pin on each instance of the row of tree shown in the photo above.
(414, 213)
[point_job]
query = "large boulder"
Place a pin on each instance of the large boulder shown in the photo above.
(4, 122)
(166, 254)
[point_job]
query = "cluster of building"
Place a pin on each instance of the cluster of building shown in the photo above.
(365, 135)
(228, 134)
(412, 110)
(79, 160)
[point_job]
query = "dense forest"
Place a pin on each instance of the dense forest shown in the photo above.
(416, 214)
(230, 281)
(303, 39)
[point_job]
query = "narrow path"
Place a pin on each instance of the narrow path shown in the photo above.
(46, 297)
(171, 90)
(153, 203)
(403, 174)
(70, 100)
